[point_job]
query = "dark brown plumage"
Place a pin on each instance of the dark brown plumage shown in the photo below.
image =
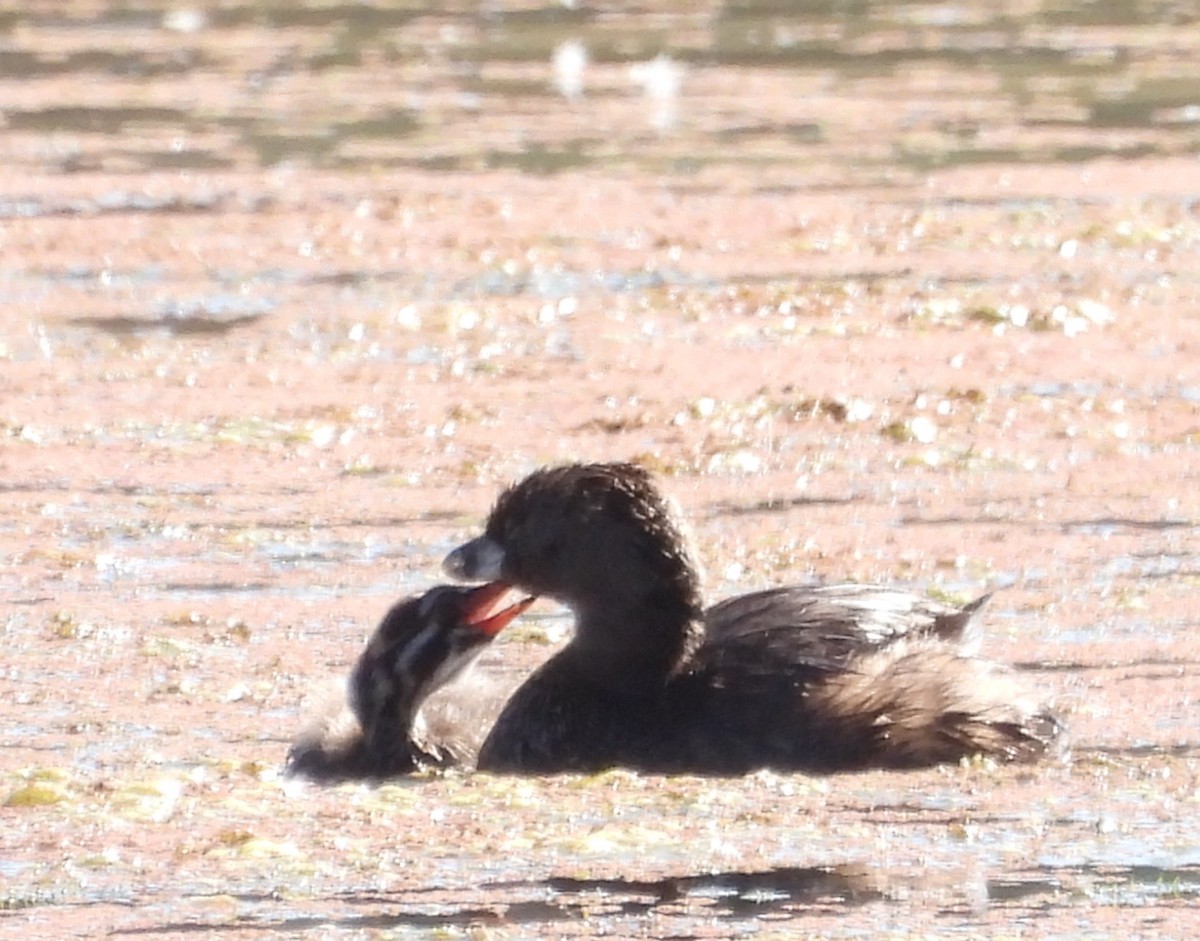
(821, 679)
(422, 644)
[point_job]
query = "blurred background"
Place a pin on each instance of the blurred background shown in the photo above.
(850, 92)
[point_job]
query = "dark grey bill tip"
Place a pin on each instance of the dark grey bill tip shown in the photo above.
(480, 560)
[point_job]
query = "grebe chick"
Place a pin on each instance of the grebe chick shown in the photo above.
(422, 644)
(818, 679)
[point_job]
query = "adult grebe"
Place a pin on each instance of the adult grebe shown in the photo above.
(824, 679)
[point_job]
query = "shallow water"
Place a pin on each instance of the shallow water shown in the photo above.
(354, 87)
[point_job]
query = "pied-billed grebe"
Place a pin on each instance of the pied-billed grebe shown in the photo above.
(422, 644)
(823, 679)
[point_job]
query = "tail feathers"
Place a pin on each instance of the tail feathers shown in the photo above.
(960, 626)
(920, 703)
